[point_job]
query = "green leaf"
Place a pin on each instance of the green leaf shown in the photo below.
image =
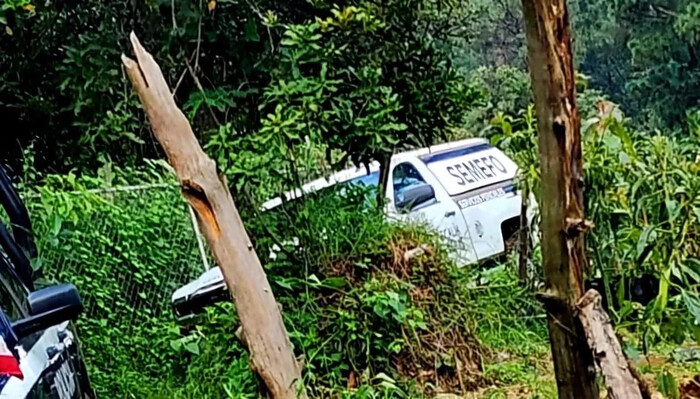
(283, 283)
(692, 302)
(673, 208)
(312, 278)
(612, 142)
(176, 344)
(690, 272)
(251, 31)
(632, 352)
(192, 347)
(335, 282)
(624, 158)
(662, 298)
(667, 385)
(648, 235)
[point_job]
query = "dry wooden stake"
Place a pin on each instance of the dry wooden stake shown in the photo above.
(617, 373)
(271, 353)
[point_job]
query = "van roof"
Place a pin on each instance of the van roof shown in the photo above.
(438, 148)
(351, 173)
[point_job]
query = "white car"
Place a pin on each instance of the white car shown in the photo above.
(464, 189)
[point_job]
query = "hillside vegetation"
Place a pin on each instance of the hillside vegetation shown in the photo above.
(281, 92)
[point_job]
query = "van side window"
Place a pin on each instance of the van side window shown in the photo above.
(410, 189)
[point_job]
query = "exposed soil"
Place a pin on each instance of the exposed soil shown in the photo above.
(690, 389)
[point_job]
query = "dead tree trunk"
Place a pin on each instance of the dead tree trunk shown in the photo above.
(563, 224)
(271, 353)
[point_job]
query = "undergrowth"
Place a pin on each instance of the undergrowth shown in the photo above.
(362, 312)
(367, 321)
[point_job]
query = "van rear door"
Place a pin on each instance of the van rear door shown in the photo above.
(480, 179)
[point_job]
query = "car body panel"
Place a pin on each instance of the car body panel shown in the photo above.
(53, 350)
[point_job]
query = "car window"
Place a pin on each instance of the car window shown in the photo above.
(369, 180)
(12, 295)
(404, 176)
(12, 292)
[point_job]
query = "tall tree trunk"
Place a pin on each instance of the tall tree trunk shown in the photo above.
(563, 225)
(271, 354)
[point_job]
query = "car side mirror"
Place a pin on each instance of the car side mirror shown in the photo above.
(49, 306)
(415, 196)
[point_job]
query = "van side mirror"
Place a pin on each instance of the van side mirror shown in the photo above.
(415, 196)
(49, 306)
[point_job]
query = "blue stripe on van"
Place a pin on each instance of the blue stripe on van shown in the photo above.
(454, 153)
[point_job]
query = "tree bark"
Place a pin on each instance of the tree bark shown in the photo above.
(618, 375)
(563, 224)
(523, 238)
(271, 354)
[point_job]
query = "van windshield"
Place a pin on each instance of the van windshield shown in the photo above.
(370, 180)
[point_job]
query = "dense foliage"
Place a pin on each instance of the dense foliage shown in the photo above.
(234, 67)
(242, 68)
(283, 91)
(643, 194)
(645, 55)
(369, 322)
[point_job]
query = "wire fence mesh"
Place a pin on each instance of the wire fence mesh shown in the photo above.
(119, 244)
(127, 239)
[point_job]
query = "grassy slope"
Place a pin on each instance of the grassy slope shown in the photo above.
(520, 364)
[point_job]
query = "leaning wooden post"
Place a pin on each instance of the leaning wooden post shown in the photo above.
(619, 376)
(563, 224)
(271, 353)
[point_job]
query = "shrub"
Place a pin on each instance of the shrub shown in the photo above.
(369, 322)
(642, 191)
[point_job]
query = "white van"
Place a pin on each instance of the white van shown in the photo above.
(464, 189)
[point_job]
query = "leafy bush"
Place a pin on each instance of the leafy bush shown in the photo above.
(643, 194)
(369, 322)
(357, 308)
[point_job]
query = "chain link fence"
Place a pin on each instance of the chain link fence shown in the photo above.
(127, 249)
(79, 249)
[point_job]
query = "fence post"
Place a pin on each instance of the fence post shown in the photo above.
(198, 236)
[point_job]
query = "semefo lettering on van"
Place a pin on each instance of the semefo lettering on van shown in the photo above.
(477, 169)
(467, 171)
